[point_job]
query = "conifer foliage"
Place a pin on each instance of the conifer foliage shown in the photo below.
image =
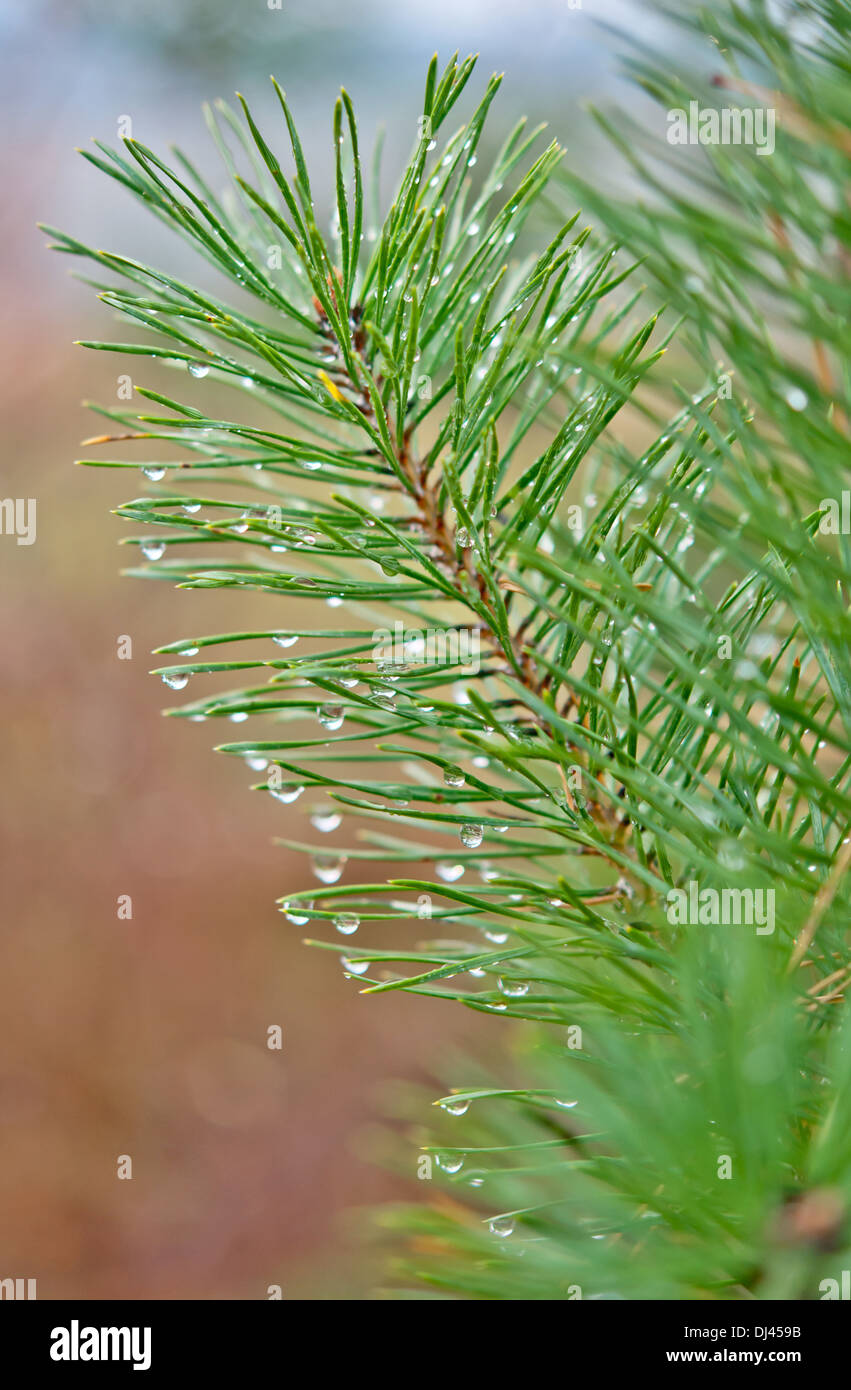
(568, 504)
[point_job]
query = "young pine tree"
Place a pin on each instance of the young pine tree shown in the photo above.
(579, 683)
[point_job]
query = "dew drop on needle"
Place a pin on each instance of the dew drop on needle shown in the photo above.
(455, 1107)
(331, 716)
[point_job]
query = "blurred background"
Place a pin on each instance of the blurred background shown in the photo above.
(147, 1037)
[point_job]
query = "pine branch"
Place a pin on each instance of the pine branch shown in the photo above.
(661, 697)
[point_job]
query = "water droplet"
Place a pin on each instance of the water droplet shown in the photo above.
(154, 472)
(796, 399)
(325, 820)
(334, 601)
(256, 762)
(192, 507)
(153, 550)
(450, 873)
(331, 716)
(355, 967)
(566, 1104)
(284, 639)
(388, 668)
(473, 229)
(498, 938)
(471, 835)
(455, 1107)
(298, 913)
(453, 777)
(312, 465)
(238, 717)
(450, 1163)
(501, 1226)
(328, 868)
(178, 681)
(286, 792)
(513, 989)
(198, 369)
(347, 923)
